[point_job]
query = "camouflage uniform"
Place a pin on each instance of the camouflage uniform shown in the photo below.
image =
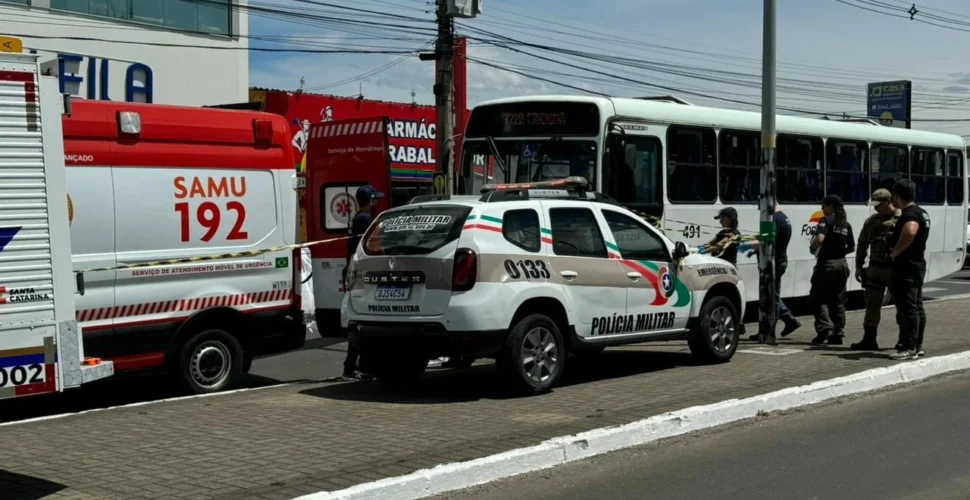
(876, 278)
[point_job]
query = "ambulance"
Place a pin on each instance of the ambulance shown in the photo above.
(154, 194)
(41, 349)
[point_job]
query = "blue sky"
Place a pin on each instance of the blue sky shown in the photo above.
(827, 51)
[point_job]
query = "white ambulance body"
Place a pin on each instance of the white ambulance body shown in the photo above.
(151, 183)
(41, 349)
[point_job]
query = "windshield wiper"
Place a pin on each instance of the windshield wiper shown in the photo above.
(496, 154)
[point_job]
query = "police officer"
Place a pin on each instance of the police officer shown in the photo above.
(833, 241)
(725, 244)
(909, 265)
(875, 278)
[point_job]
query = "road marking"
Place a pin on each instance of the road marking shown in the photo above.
(964, 283)
(145, 403)
(770, 351)
(931, 289)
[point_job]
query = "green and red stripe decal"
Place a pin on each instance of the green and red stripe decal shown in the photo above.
(654, 273)
(489, 223)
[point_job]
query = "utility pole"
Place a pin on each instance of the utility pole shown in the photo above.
(444, 92)
(768, 312)
(444, 87)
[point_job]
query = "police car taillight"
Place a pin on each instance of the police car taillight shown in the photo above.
(263, 130)
(465, 270)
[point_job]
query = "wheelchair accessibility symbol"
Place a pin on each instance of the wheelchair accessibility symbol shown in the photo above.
(528, 151)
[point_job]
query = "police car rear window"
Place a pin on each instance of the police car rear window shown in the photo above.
(415, 230)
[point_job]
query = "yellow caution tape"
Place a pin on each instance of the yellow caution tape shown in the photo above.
(221, 256)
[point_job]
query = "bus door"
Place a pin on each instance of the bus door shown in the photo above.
(341, 156)
(633, 169)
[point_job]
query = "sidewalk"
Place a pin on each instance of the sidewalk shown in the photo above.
(283, 442)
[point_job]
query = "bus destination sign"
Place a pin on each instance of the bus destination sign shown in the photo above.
(534, 119)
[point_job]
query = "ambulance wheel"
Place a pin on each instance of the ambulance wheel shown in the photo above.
(715, 338)
(210, 361)
(534, 355)
(399, 368)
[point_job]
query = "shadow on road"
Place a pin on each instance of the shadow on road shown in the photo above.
(118, 391)
(23, 487)
(443, 386)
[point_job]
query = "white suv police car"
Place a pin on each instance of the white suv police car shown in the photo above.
(527, 274)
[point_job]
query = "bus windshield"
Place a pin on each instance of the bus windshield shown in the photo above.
(530, 160)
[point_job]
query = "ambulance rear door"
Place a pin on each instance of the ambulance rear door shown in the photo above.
(341, 156)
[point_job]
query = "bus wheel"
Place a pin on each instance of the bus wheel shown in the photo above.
(210, 361)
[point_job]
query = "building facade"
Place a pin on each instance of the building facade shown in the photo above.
(183, 52)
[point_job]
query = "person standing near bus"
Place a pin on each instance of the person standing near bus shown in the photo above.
(782, 238)
(366, 206)
(909, 266)
(833, 241)
(877, 276)
(725, 244)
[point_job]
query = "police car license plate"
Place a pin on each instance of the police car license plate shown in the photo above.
(393, 292)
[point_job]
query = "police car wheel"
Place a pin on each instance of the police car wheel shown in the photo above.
(534, 355)
(715, 339)
(398, 368)
(210, 361)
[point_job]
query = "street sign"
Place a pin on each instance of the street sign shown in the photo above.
(439, 183)
(10, 44)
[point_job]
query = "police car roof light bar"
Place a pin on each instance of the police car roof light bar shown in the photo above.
(577, 183)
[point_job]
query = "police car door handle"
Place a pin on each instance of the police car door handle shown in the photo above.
(633, 275)
(569, 275)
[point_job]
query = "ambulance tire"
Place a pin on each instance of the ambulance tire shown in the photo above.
(210, 361)
(540, 334)
(715, 338)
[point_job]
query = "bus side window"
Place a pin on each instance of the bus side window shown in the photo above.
(890, 164)
(954, 178)
(691, 165)
(847, 170)
(927, 172)
(740, 166)
(799, 173)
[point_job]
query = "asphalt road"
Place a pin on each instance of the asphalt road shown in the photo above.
(318, 359)
(909, 443)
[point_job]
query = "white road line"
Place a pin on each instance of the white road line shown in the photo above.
(931, 289)
(771, 351)
(145, 403)
(948, 282)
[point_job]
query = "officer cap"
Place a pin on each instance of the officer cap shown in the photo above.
(879, 196)
(727, 212)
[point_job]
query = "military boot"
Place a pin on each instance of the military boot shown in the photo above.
(868, 342)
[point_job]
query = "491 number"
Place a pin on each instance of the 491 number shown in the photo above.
(21, 375)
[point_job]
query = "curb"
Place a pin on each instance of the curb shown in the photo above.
(561, 450)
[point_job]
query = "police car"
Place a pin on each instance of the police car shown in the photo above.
(527, 274)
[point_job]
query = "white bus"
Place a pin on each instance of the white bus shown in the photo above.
(681, 163)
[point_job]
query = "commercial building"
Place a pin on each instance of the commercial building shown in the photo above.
(189, 52)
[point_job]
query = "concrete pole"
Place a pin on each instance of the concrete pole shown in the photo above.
(768, 313)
